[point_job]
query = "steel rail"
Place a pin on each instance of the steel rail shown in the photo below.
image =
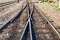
(30, 29)
(31, 12)
(52, 26)
(47, 21)
(19, 13)
(29, 22)
(21, 38)
(28, 8)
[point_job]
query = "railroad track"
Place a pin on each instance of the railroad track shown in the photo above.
(40, 28)
(30, 24)
(15, 26)
(18, 26)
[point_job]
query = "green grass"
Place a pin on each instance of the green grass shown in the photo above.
(50, 5)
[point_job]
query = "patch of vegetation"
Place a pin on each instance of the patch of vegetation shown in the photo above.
(51, 5)
(44, 0)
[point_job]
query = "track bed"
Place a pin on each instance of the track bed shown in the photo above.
(15, 28)
(41, 28)
(28, 26)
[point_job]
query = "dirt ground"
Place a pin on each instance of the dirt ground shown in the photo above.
(50, 13)
(2, 1)
(9, 13)
(14, 11)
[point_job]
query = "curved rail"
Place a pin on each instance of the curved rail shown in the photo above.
(22, 9)
(29, 22)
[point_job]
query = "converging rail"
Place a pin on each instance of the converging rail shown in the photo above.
(29, 22)
(52, 27)
(12, 27)
(12, 19)
(36, 27)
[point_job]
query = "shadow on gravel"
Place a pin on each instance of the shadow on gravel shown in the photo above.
(33, 33)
